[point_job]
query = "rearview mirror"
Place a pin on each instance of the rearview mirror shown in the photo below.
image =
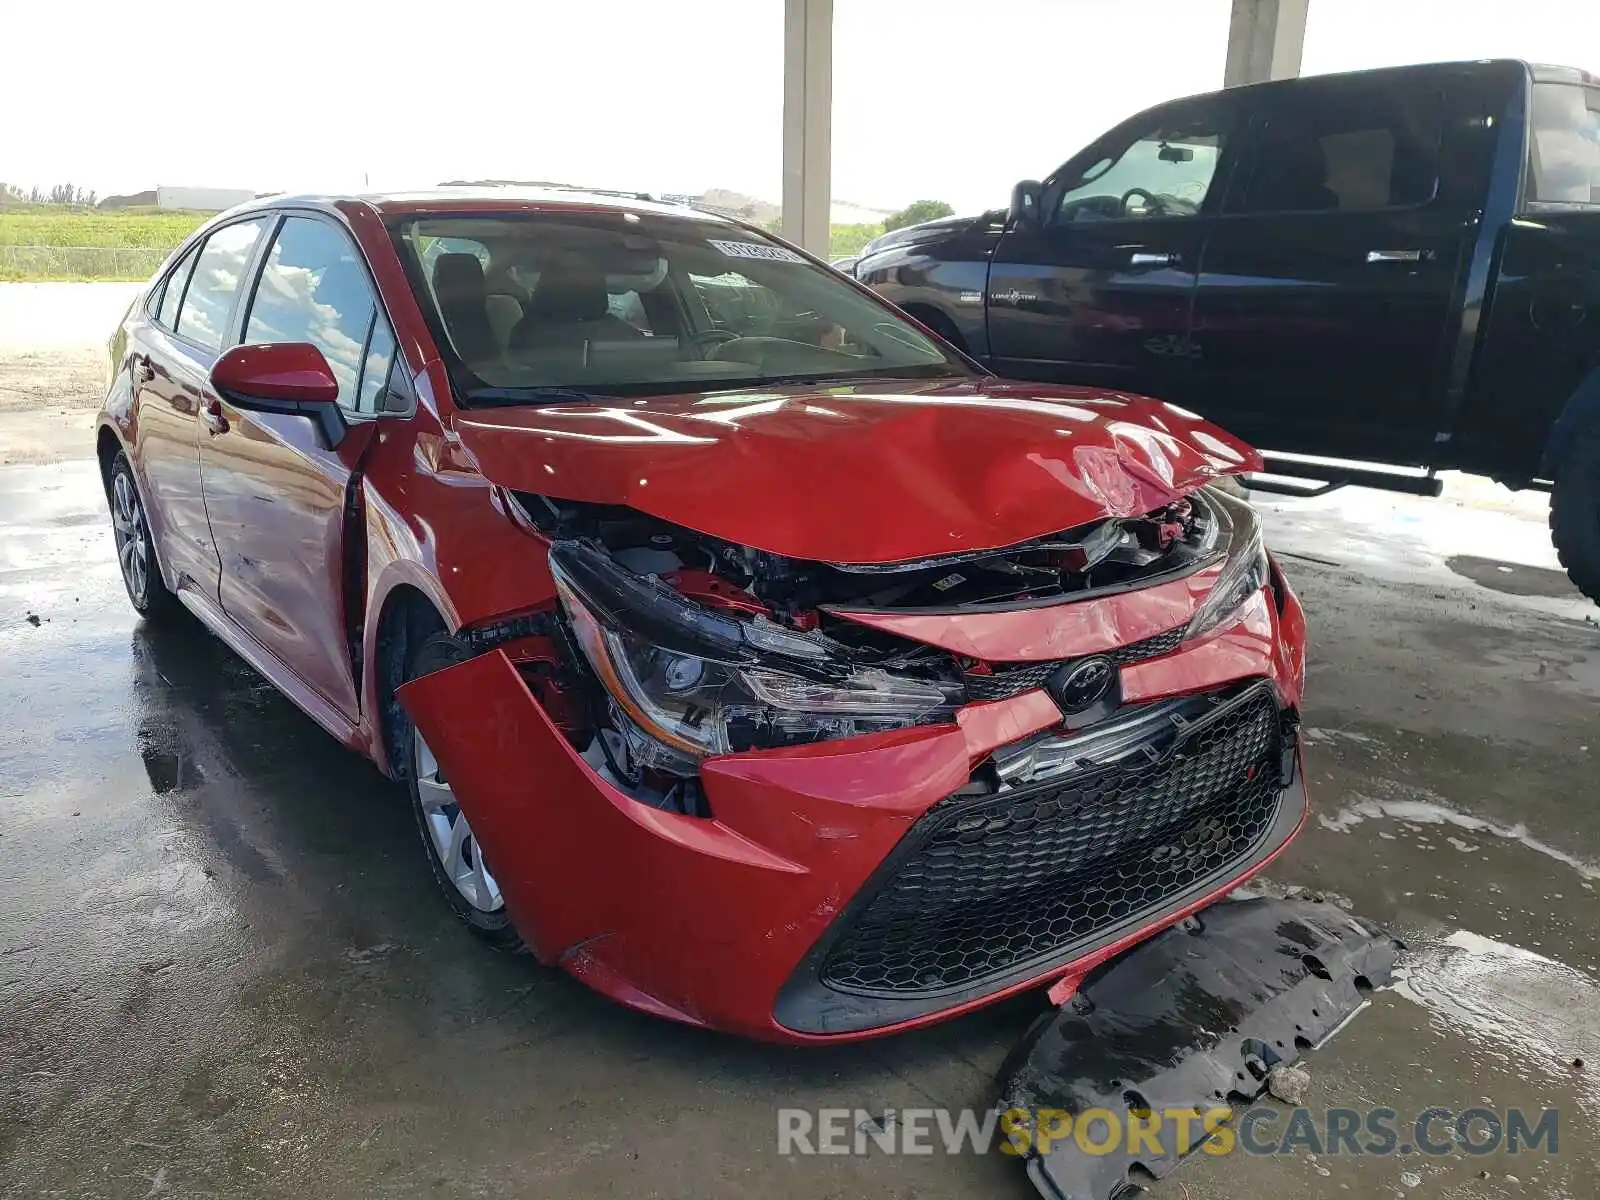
(1175, 154)
(283, 377)
(1025, 202)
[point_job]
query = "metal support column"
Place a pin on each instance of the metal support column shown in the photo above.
(807, 122)
(1265, 40)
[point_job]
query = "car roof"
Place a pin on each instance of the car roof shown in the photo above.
(479, 198)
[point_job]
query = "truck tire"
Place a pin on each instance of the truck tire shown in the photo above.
(1575, 510)
(939, 324)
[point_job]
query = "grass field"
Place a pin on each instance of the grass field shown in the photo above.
(51, 241)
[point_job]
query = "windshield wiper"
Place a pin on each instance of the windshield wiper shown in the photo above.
(538, 394)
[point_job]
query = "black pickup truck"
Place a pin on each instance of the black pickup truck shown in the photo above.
(1396, 267)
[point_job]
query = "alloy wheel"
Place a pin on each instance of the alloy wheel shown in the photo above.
(127, 521)
(451, 836)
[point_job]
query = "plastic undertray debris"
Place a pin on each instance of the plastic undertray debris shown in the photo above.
(1193, 1019)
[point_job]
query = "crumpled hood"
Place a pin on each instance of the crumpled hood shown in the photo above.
(867, 473)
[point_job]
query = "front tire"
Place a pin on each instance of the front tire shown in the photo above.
(464, 876)
(1575, 510)
(136, 551)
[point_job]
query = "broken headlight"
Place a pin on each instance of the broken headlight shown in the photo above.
(703, 683)
(1244, 572)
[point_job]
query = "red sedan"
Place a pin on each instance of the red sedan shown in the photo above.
(746, 651)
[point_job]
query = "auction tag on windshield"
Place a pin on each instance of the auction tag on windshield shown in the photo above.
(755, 250)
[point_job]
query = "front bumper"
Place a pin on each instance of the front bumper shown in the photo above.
(729, 921)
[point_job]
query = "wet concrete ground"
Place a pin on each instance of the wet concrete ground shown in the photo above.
(224, 971)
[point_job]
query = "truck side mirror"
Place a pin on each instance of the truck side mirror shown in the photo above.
(1025, 202)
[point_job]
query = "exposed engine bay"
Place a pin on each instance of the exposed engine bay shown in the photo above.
(677, 645)
(1110, 553)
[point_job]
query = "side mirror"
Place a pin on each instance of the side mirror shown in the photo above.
(1025, 202)
(283, 377)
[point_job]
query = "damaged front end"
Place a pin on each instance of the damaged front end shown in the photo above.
(913, 803)
(686, 647)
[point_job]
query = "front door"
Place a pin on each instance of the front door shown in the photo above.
(1327, 287)
(276, 497)
(1098, 290)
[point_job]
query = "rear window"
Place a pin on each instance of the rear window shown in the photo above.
(1338, 148)
(172, 292)
(1564, 155)
(218, 273)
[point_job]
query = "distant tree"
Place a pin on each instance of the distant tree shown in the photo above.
(918, 212)
(847, 240)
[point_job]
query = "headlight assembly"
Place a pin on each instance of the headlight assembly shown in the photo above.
(703, 683)
(1244, 572)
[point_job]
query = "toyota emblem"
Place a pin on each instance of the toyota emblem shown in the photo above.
(1083, 684)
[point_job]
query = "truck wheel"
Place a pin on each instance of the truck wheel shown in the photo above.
(941, 325)
(1575, 511)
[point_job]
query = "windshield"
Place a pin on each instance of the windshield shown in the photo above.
(624, 303)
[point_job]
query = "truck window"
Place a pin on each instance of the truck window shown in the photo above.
(1163, 169)
(1359, 151)
(1564, 153)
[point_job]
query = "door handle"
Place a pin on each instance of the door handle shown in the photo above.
(142, 371)
(211, 416)
(1383, 256)
(1144, 259)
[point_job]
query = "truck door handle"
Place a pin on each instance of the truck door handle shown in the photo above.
(1381, 256)
(1143, 259)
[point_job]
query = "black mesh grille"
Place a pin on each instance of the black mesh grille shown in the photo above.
(984, 886)
(1012, 681)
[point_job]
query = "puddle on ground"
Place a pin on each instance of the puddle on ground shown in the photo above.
(1512, 1003)
(1513, 579)
(1426, 812)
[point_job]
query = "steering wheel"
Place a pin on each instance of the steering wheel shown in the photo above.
(1151, 200)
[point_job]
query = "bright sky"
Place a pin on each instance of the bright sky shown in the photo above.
(938, 99)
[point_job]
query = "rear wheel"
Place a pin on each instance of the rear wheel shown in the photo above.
(136, 552)
(458, 864)
(1575, 510)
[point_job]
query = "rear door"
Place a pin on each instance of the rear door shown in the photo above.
(1327, 290)
(277, 498)
(1099, 290)
(172, 353)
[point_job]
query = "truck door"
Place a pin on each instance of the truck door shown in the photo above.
(1327, 289)
(1098, 290)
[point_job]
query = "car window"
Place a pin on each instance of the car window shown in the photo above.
(172, 294)
(1346, 149)
(218, 271)
(1163, 169)
(1564, 155)
(638, 303)
(314, 289)
(375, 371)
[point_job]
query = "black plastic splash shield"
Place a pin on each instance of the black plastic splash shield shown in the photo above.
(1193, 1019)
